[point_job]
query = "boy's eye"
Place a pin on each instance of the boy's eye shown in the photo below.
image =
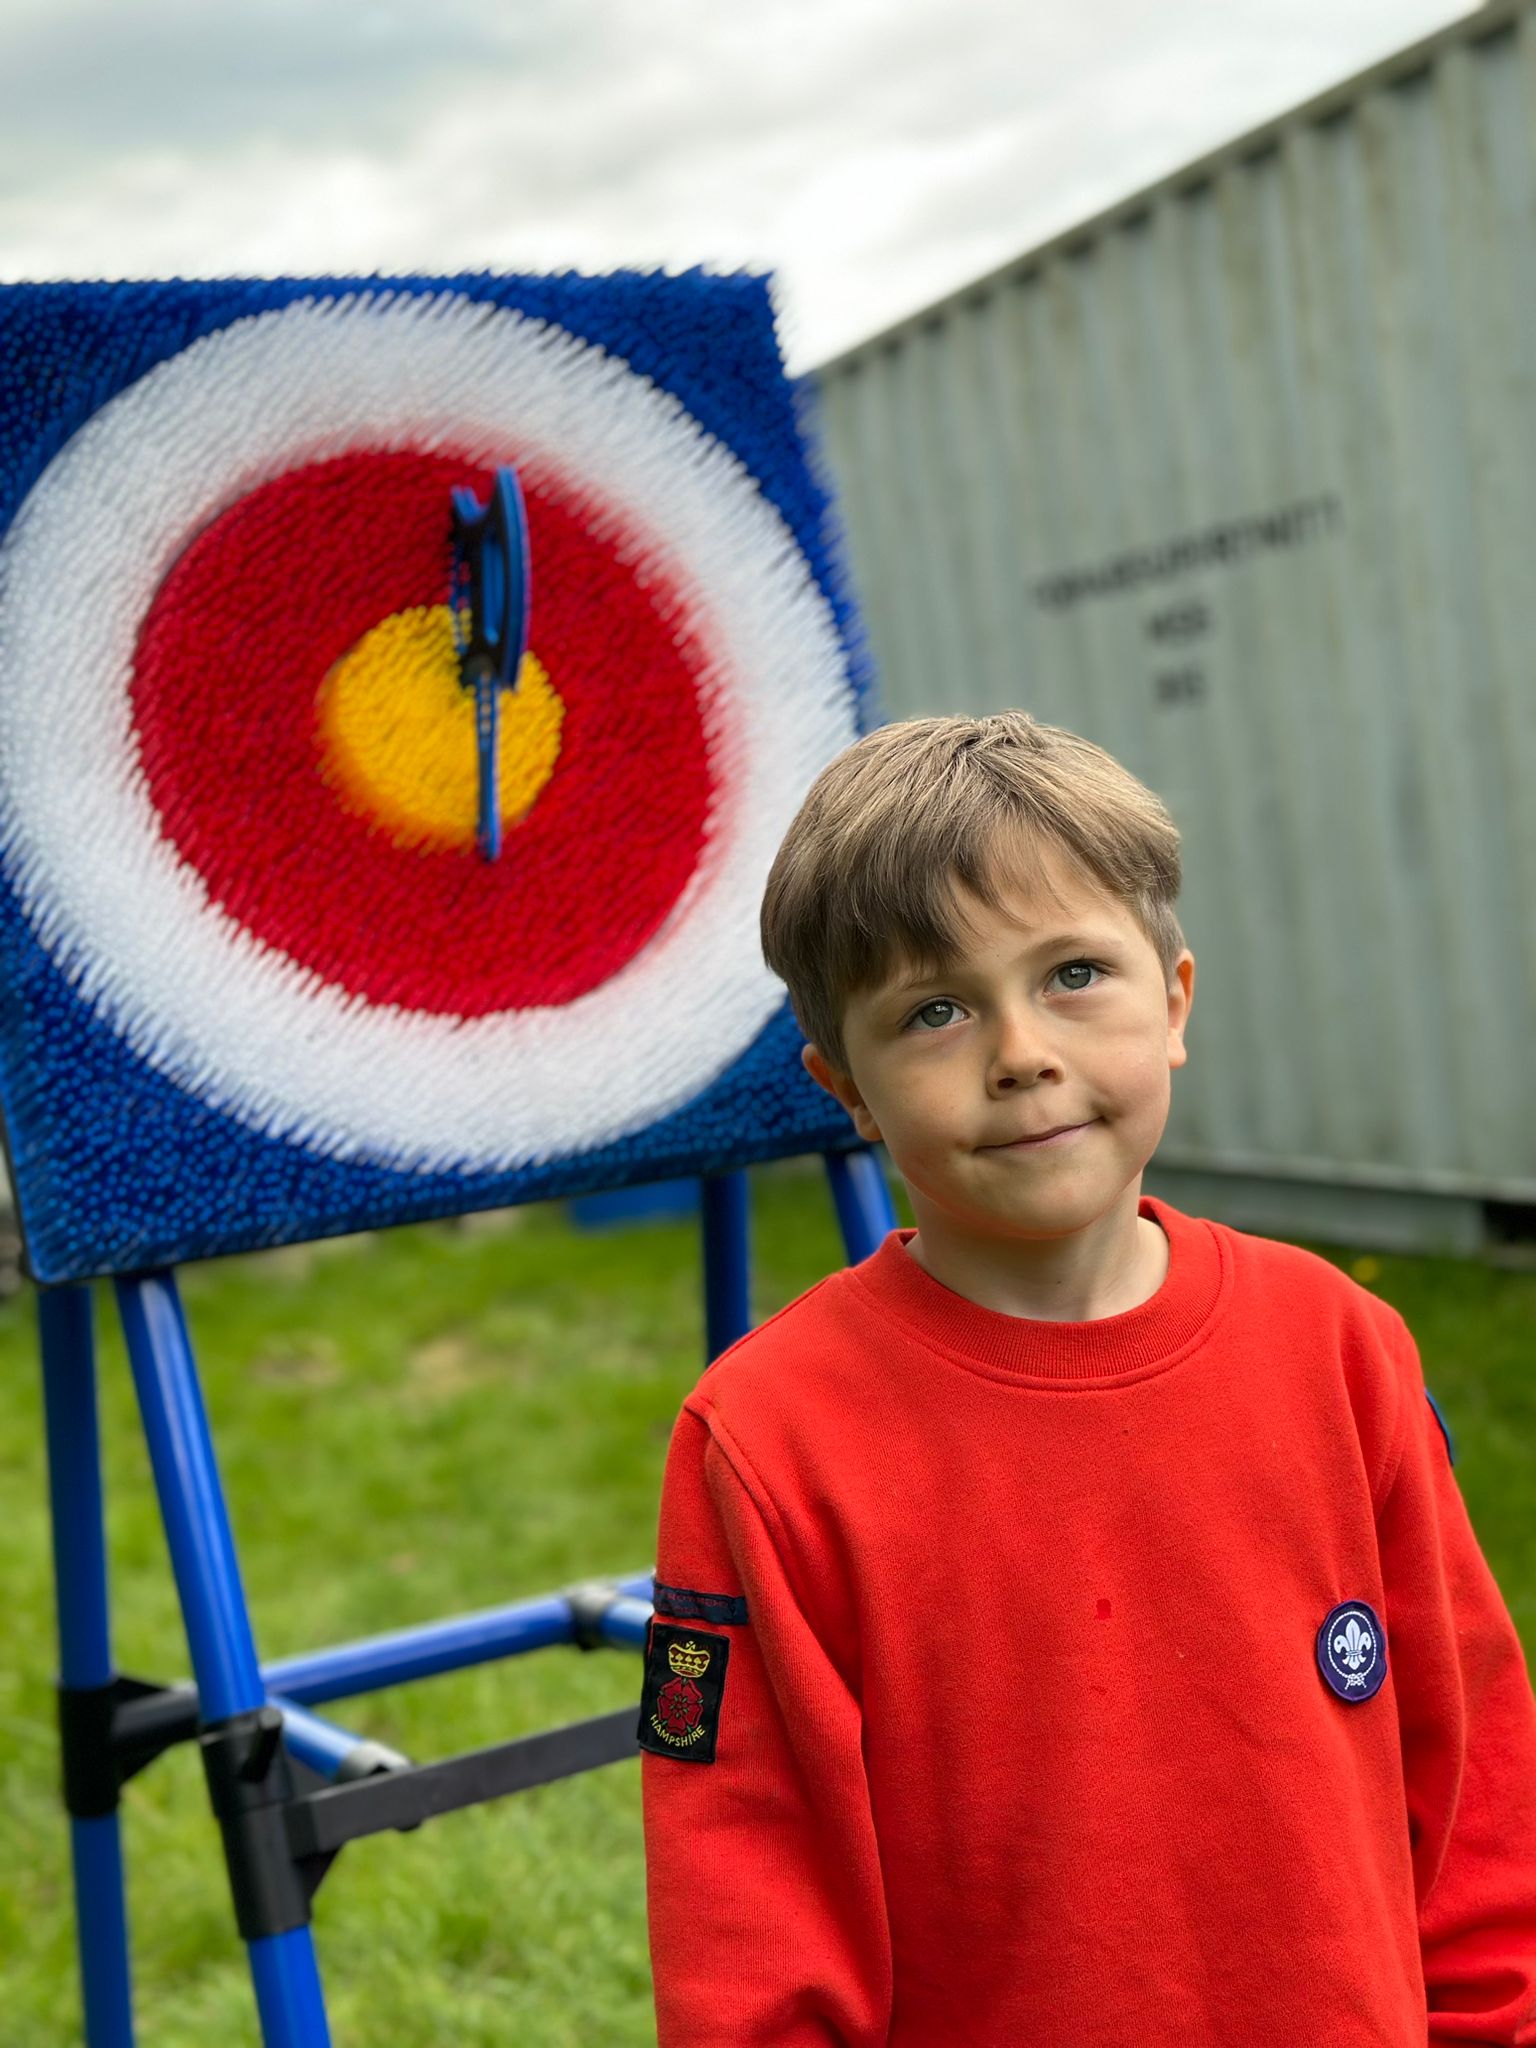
(925, 1018)
(1077, 966)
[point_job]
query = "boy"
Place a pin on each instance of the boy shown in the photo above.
(1069, 1633)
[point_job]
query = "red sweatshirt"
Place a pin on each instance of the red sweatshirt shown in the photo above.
(1114, 1684)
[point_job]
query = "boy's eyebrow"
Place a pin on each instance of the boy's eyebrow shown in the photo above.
(1094, 942)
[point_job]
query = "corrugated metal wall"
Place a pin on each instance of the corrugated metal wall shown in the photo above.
(1239, 480)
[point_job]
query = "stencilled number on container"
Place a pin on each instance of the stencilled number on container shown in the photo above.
(1179, 622)
(1180, 685)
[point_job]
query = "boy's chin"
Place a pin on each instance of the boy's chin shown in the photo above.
(1033, 1215)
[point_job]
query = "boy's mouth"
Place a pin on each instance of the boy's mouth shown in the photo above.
(1054, 1134)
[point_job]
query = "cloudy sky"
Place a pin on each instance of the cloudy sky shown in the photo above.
(875, 153)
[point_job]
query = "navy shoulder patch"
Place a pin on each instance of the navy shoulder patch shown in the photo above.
(687, 1605)
(1450, 1448)
(1352, 1651)
(684, 1683)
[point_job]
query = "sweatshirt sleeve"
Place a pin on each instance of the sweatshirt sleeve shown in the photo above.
(1468, 1730)
(767, 1912)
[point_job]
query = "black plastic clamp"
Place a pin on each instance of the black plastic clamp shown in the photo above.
(108, 1733)
(590, 1600)
(284, 1824)
(252, 1781)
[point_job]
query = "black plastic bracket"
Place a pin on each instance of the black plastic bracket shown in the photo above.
(283, 1825)
(108, 1733)
(252, 1781)
(324, 1821)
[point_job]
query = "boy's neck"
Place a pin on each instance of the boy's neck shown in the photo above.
(1111, 1265)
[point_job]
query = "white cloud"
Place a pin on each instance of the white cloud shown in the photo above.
(875, 154)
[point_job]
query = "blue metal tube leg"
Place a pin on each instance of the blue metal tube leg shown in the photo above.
(865, 1211)
(727, 1262)
(223, 1650)
(68, 1345)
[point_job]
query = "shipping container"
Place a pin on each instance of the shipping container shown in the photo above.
(1238, 480)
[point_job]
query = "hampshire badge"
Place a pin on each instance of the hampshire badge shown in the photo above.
(684, 1681)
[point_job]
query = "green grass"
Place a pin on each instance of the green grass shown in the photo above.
(445, 1419)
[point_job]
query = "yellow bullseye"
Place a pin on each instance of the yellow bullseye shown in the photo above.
(397, 733)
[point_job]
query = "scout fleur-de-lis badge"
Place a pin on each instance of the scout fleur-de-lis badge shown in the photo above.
(684, 1680)
(1352, 1651)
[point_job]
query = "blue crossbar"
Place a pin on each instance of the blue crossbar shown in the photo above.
(435, 1647)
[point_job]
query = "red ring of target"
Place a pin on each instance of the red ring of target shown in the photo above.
(231, 657)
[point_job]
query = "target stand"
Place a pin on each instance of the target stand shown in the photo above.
(404, 687)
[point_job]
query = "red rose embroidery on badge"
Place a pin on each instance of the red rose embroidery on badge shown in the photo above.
(679, 1705)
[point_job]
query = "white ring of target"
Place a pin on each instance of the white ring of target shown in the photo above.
(240, 1025)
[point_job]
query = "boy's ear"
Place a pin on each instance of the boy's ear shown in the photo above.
(842, 1086)
(1181, 994)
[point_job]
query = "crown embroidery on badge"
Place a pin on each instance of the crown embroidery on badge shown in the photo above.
(687, 1659)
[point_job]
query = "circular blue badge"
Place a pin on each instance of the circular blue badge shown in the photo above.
(1352, 1651)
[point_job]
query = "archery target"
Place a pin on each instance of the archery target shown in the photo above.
(253, 858)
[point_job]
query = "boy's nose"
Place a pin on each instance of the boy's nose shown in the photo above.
(1021, 1055)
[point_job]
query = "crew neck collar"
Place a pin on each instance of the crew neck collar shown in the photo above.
(1147, 1338)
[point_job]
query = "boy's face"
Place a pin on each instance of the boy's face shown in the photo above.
(1056, 1013)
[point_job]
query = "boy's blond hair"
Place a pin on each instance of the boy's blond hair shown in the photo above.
(865, 879)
